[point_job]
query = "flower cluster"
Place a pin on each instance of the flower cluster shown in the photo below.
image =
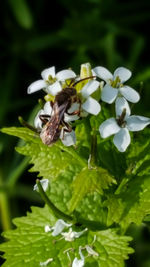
(65, 231)
(70, 97)
(70, 236)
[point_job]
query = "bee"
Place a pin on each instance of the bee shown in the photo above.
(55, 123)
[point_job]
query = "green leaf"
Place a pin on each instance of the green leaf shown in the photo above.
(112, 248)
(23, 133)
(111, 159)
(58, 162)
(89, 180)
(48, 161)
(131, 201)
(91, 207)
(22, 13)
(29, 245)
(132, 205)
(138, 158)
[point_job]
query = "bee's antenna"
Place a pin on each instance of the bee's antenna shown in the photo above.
(84, 79)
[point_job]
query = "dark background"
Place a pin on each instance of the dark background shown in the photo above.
(38, 34)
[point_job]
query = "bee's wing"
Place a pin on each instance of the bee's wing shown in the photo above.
(50, 132)
(61, 110)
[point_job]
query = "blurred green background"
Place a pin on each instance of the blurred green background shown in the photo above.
(38, 34)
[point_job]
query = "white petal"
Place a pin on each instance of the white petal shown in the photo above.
(91, 251)
(77, 263)
(71, 235)
(49, 71)
(65, 75)
(68, 236)
(130, 94)
(68, 138)
(68, 118)
(137, 123)
(45, 263)
(36, 86)
(89, 88)
(109, 94)
(91, 106)
(44, 184)
(103, 73)
(74, 107)
(47, 108)
(78, 234)
(37, 120)
(48, 228)
(108, 128)
(59, 227)
(122, 139)
(80, 251)
(123, 73)
(85, 70)
(120, 105)
(54, 89)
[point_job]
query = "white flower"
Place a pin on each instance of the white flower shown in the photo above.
(80, 262)
(89, 104)
(74, 107)
(67, 138)
(44, 183)
(121, 126)
(71, 235)
(51, 81)
(59, 227)
(114, 85)
(47, 110)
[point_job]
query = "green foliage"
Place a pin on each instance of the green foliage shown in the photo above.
(29, 244)
(22, 13)
(87, 181)
(131, 201)
(32, 39)
(88, 191)
(112, 248)
(57, 160)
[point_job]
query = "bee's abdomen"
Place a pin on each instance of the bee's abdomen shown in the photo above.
(49, 135)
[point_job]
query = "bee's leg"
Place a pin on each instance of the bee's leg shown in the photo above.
(44, 118)
(76, 112)
(66, 131)
(68, 128)
(51, 104)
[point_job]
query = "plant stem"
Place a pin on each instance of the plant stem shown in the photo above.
(15, 174)
(58, 213)
(4, 208)
(26, 124)
(93, 154)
